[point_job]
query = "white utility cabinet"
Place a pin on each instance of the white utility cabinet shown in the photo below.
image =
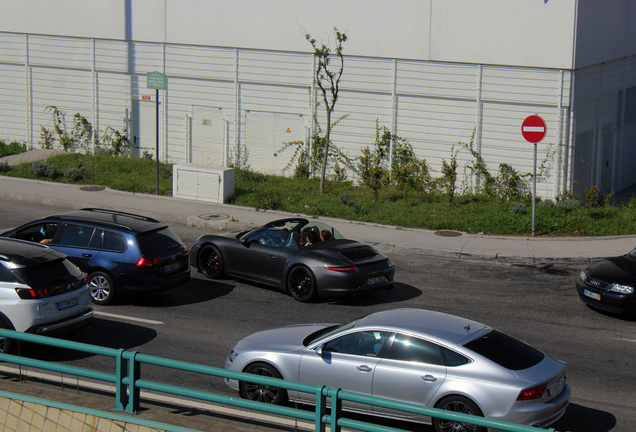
(202, 182)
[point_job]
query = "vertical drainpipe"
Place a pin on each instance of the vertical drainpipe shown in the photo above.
(479, 118)
(597, 160)
(237, 125)
(27, 94)
(94, 101)
(393, 114)
(622, 131)
(312, 101)
(559, 136)
(164, 106)
(570, 179)
(186, 153)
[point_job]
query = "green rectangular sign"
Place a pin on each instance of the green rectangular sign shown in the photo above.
(156, 80)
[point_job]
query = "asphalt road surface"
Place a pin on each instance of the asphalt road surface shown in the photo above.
(538, 304)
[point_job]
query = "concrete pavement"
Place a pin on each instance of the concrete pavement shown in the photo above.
(453, 244)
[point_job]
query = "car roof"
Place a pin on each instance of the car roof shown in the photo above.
(436, 325)
(23, 253)
(112, 218)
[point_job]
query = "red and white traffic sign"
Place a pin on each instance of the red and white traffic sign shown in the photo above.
(533, 129)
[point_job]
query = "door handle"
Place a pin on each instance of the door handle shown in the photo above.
(364, 368)
(429, 378)
(87, 255)
(272, 257)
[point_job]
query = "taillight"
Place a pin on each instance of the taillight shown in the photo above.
(532, 393)
(30, 293)
(148, 262)
(185, 251)
(343, 269)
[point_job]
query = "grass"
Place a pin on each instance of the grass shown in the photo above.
(11, 148)
(468, 213)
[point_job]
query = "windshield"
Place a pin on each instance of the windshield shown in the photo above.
(154, 242)
(328, 331)
(506, 351)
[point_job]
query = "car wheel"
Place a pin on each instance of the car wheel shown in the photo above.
(101, 287)
(301, 284)
(460, 405)
(7, 346)
(261, 392)
(211, 262)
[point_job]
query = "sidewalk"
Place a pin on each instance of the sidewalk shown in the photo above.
(389, 239)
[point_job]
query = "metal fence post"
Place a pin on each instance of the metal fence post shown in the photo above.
(336, 410)
(134, 372)
(120, 387)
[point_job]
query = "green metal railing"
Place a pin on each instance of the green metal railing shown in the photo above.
(128, 384)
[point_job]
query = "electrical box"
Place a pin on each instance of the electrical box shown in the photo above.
(202, 182)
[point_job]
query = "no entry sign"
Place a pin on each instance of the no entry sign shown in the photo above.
(533, 129)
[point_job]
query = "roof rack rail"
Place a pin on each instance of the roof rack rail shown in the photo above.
(116, 212)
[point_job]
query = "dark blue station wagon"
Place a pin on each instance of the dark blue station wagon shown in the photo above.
(121, 252)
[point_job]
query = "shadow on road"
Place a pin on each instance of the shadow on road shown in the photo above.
(583, 419)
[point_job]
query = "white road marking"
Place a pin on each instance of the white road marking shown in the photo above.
(626, 340)
(128, 318)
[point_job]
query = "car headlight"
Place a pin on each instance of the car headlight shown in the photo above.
(582, 275)
(232, 355)
(623, 289)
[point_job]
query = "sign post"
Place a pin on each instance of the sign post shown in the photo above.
(533, 130)
(157, 81)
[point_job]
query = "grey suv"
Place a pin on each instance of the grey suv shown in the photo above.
(41, 292)
(121, 252)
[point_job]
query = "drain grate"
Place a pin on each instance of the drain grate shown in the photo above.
(213, 216)
(446, 233)
(92, 188)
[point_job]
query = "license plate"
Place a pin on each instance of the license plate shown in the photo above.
(591, 294)
(375, 280)
(171, 267)
(556, 388)
(67, 304)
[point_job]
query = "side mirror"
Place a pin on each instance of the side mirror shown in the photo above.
(319, 351)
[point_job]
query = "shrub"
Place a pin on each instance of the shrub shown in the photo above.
(344, 197)
(518, 208)
(357, 207)
(74, 174)
(568, 203)
(51, 171)
(38, 168)
(5, 167)
(548, 203)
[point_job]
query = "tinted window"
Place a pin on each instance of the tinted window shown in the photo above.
(96, 241)
(365, 343)
(38, 232)
(57, 276)
(451, 358)
(506, 351)
(76, 235)
(407, 348)
(114, 241)
(158, 241)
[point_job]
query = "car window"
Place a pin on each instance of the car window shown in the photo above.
(154, 242)
(114, 241)
(40, 232)
(412, 349)
(273, 236)
(363, 343)
(76, 235)
(506, 351)
(56, 276)
(451, 358)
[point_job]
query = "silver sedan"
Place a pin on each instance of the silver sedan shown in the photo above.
(409, 355)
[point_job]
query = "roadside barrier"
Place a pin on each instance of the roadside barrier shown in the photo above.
(128, 384)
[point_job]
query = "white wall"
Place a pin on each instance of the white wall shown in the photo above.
(536, 33)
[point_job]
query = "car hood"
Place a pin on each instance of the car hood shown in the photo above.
(616, 269)
(282, 339)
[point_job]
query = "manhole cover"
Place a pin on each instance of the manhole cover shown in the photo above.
(213, 216)
(448, 233)
(93, 188)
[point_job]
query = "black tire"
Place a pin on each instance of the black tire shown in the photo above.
(461, 405)
(7, 346)
(301, 284)
(260, 392)
(101, 287)
(210, 262)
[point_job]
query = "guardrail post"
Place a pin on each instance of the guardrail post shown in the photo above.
(321, 408)
(336, 410)
(120, 387)
(134, 372)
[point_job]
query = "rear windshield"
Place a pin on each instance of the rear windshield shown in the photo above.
(158, 241)
(56, 276)
(506, 351)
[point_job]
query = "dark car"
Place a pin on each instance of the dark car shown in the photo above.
(609, 284)
(41, 292)
(121, 252)
(273, 255)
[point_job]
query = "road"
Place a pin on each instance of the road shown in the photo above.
(200, 321)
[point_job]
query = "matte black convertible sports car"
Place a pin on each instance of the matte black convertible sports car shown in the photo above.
(272, 255)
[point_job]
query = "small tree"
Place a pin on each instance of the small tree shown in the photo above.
(326, 78)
